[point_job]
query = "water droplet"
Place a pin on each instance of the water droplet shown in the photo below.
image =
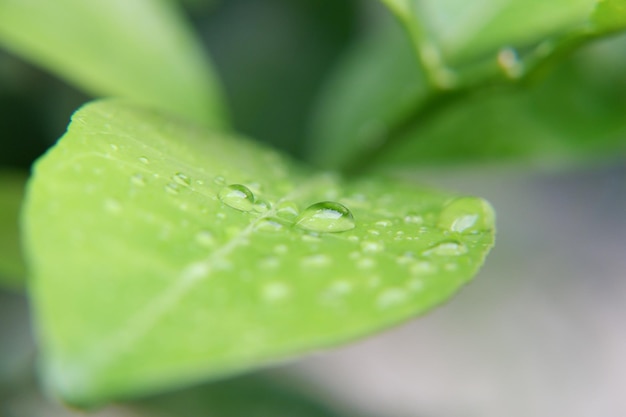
(281, 249)
(510, 63)
(405, 258)
(275, 291)
(372, 247)
(383, 223)
(326, 216)
(237, 196)
(414, 219)
(316, 260)
(390, 297)
(172, 188)
(353, 238)
(338, 289)
(182, 179)
(365, 263)
(271, 262)
(422, 268)
(112, 206)
(114, 147)
(447, 248)
(373, 232)
(138, 180)
(287, 210)
(261, 205)
(219, 180)
(269, 225)
(205, 238)
(144, 160)
(467, 215)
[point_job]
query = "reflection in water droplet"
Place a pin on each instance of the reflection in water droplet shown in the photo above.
(287, 210)
(467, 215)
(275, 291)
(447, 248)
(172, 188)
(326, 216)
(205, 238)
(138, 180)
(144, 160)
(391, 297)
(237, 196)
(182, 179)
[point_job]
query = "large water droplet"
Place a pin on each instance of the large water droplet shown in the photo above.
(326, 216)
(182, 179)
(466, 215)
(237, 196)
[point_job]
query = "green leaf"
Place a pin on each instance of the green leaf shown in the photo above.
(153, 267)
(140, 49)
(12, 268)
(609, 16)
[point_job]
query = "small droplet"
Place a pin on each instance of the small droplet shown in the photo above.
(353, 238)
(237, 196)
(269, 225)
(317, 260)
(219, 180)
(372, 247)
(275, 291)
(373, 232)
(114, 147)
(182, 179)
(447, 248)
(414, 219)
(205, 238)
(172, 188)
(510, 63)
(138, 180)
(383, 223)
(261, 205)
(466, 215)
(365, 263)
(390, 297)
(281, 249)
(422, 268)
(287, 210)
(326, 216)
(144, 160)
(271, 262)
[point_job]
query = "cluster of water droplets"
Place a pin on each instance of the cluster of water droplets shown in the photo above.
(326, 216)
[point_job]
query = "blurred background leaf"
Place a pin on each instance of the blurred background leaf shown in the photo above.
(139, 49)
(12, 267)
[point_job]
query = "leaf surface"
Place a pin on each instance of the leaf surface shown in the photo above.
(12, 268)
(139, 49)
(147, 277)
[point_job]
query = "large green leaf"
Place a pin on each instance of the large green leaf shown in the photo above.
(576, 109)
(153, 266)
(12, 269)
(140, 49)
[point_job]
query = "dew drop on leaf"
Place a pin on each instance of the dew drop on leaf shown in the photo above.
(182, 179)
(447, 248)
(138, 180)
(144, 160)
(287, 210)
(172, 188)
(466, 215)
(261, 205)
(326, 216)
(237, 196)
(269, 225)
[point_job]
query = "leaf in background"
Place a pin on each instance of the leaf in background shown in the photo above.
(12, 268)
(139, 49)
(153, 266)
(575, 110)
